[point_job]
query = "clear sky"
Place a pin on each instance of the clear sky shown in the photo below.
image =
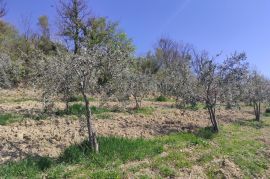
(213, 25)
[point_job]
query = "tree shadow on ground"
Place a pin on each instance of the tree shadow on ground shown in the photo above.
(205, 133)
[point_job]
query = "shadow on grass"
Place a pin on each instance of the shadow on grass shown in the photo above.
(28, 167)
(113, 151)
(206, 133)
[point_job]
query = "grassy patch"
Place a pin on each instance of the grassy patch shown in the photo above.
(9, 118)
(238, 143)
(143, 110)
(29, 167)
(166, 155)
(17, 100)
(79, 110)
(206, 133)
(80, 99)
(113, 152)
(196, 107)
(163, 99)
(166, 171)
(267, 114)
(252, 123)
(106, 116)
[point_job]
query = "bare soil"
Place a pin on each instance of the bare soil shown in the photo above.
(51, 136)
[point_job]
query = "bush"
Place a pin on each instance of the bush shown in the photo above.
(267, 110)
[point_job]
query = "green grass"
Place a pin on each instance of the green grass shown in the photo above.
(106, 116)
(267, 114)
(80, 99)
(113, 152)
(252, 123)
(8, 118)
(165, 155)
(79, 110)
(143, 110)
(16, 100)
(195, 107)
(238, 143)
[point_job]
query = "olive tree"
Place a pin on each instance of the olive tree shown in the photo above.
(55, 77)
(139, 82)
(5, 71)
(233, 74)
(218, 82)
(207, 83)
(257, 91)
(174, 76)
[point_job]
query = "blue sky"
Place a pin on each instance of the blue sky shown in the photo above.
(213, 25)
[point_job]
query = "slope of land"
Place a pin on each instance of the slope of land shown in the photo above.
(157, 141)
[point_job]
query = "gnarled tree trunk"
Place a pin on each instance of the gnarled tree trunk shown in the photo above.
(257, 110)
(92, 137)
(212, 114)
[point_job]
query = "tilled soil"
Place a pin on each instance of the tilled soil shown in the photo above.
(51, 136)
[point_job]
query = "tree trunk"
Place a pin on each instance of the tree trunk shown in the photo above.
(91, 132)
(257, 111)
(212, 114)
(137, 102)
(67, 106)
(77, 28)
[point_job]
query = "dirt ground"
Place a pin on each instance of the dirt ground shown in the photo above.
(51, 136)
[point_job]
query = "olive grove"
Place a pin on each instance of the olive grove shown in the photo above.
(96, 58)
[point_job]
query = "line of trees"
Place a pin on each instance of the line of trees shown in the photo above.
(98, 58)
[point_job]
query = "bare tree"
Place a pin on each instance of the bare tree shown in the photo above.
(43, 23)
(73, 15)
(3, 8)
